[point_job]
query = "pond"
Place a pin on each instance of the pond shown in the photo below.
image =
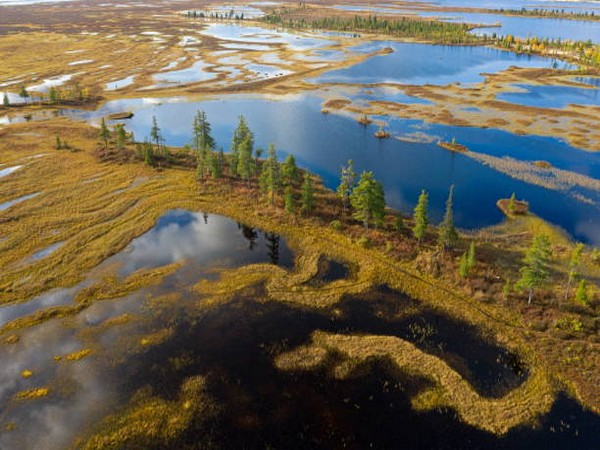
(194, 74)
(325, 142)
(419, 64)
(233, 347)
(259, 35)
(199, 240)
(551, 96)
(119, 84)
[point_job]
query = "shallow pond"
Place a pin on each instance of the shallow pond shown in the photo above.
(194, 74)
(325, 142)
(258, 35)
(200, 240)
(419, 64)
(119, 84)
(551, 96)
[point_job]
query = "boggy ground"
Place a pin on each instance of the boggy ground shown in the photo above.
(95, 209)
(141, 42)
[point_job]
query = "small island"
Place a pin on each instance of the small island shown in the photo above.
(512, 207)
(453, 146)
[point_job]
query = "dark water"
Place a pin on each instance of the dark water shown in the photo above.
(329, 270)
(262, 407)
(323, 143)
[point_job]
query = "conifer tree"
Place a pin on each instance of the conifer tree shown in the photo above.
(347, 183)
(215, 165)
(155, 134)
(104, 133)
(289, 171)
(307, 193)
(244, 160)
(203, 140)
(270, 178)
(368, 200)
(535, 269)
(5, 100)
(288, 199)
(121, 136)
(241, 133)
(420, 216)
(447, 232)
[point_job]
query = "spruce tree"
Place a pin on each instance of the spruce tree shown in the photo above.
(420, 216)
(307, 193)
(241, 133)
(244, 160)
(203, 140)
(121, 136)
(155, 134)
(447, 232)
(288, 199)
(289, 171)
(368, 200)
(5, 100)
(535, 269)
(104, 133)
(215, 166)
(347, 183)
(270, 177)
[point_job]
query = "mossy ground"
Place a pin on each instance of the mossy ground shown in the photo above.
(95, 223)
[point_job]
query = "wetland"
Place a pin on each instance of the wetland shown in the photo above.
(181, 265)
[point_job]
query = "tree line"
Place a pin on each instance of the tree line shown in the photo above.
(446, 32)
(361, 197)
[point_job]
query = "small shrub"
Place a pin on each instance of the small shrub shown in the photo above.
(336, 225)
(364, 242)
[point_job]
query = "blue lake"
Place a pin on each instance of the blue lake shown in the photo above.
(575, 30)
(552, 96)
(323, 143)
(429, 64)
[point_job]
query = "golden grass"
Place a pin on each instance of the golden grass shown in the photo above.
(100, 224)
(152, 420)
(522, 405)
(31, 394)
